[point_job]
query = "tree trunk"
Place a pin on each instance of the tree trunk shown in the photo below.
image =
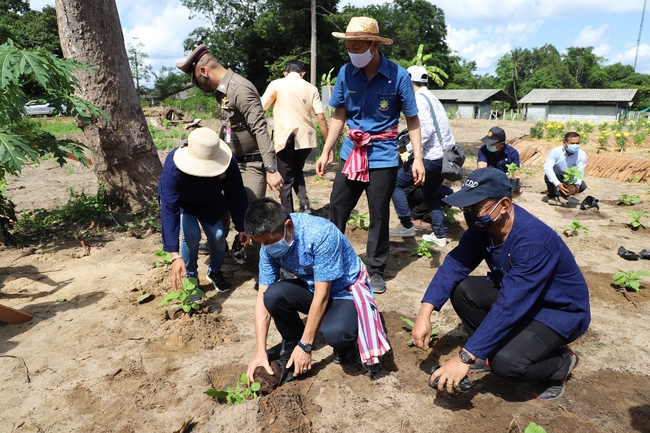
(125, 159)
(313, 42)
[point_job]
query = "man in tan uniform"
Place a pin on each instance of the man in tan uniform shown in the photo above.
(293, 100)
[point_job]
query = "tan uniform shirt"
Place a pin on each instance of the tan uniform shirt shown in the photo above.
(293, 100)
(241, 111)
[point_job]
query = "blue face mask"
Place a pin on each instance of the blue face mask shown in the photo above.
(491, 148)
(279, 248)
(481, 223)
(572, 148)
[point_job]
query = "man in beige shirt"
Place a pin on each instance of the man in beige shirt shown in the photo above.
(293, 100)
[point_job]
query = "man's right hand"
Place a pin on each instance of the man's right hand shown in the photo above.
(178, 273)
(260, 359)
(275, 182)
(421, 332)
(323, 162)
(563, 189)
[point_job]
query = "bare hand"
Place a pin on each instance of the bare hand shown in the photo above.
(275, 182)
(260, 359)
(418, 172)
(421, 332)
(244, 238)
(563, 189)
(301, 361)
(178, 273)
(323, 162)
(451, 373)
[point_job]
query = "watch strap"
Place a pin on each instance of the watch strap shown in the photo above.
(306, 347)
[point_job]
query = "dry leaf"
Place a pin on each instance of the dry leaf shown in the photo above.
(81, 358)
(51, 388)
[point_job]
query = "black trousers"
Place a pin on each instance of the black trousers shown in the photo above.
(529, 352)
(290, 165)
(285, 298)
(552, 190)
(345, 196)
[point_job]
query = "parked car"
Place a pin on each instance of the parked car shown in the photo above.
(34, 108)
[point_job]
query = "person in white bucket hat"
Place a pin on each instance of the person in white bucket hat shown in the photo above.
(199, 184)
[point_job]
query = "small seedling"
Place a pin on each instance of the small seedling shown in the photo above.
(513, 168)
(359, 220)
(534, 428)
(165, 257)
(629, 199)
(422, 248)
(636, 218)
(183, 297)
(571, 175)
(630, 280)
(449, 214)
(239, 394)
(411, 324)
(574, 228)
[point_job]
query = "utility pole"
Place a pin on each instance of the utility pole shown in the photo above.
(313, 44)
(638, 41)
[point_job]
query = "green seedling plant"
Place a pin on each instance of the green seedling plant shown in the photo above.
(411, 325)
(449, 214)
(422, 248)
(534, 428)
(190, 288)
(629, 199)
(165, 257)
(636, 218)
(630, 280)
(513, 169)
(574, 229)
(571, 175)
(360, 220)
(239, 394)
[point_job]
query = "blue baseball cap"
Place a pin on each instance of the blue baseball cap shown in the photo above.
(488, 182)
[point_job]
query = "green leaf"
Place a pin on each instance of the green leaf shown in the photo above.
(243, 378)
(61, 300)
(216, 393)
(409, 322)
(643, 273)
(534, 428)
(255, 386)
(144, 297)
(186, 308)
(169, 297)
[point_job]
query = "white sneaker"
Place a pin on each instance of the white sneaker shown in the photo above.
(441, 242)
(402, 232)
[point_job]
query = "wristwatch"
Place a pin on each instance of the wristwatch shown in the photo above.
(270, 169)
(465, 358)
(306, 347)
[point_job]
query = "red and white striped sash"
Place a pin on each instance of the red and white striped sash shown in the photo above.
(356, 167)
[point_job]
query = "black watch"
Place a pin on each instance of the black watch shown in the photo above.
(270, 169)
(306, 347)
(465, 358)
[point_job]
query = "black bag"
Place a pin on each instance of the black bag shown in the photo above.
(589, 202)
(453, 155)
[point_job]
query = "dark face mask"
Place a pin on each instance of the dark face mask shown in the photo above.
(481, 223)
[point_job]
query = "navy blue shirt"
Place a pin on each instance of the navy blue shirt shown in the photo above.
(499, 160)
(208, 198)
(537, 275)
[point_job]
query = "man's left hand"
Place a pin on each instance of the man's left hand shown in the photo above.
(451, 373)
(244, 238)
(275, 182)
(418, 172)
(301, 361)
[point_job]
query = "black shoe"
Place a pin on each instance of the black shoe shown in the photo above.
(203, 248)
(554, 389)
(627, 255)
(281, 350)
(377, 283)
(343, 356)
(218, 281)
(305, 209)
(645, 254)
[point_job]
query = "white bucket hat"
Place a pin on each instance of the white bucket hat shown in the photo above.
(206, 155)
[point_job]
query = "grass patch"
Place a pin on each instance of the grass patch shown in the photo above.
(167, 137)
(58, 127)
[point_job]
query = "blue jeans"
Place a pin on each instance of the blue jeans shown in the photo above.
(190, 243)
(433, 169)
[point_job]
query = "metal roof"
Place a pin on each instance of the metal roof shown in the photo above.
(544, 96)
(474, 95)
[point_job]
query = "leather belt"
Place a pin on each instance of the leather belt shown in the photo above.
(249, 158)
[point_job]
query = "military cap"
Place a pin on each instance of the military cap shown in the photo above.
(188, 64)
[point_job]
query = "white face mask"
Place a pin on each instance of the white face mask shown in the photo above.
(361, 60)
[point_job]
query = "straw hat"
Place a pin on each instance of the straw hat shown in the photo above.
(363, 29)
(206, 155)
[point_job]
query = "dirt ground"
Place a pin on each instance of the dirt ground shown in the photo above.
(97, 361)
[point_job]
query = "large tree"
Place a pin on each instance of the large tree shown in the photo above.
(125, 159)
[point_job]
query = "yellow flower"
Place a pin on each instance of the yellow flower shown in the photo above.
(626, 134)
(618, 134)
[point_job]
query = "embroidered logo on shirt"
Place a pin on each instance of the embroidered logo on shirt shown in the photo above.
(383, 105)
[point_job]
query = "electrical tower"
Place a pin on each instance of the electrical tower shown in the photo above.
(638, 41)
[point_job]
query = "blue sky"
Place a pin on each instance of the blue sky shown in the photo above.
(479, 30)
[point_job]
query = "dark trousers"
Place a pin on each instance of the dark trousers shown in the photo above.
(285, 298)
(552, 190)
(290, 165)
(529, 352)
(345, 196)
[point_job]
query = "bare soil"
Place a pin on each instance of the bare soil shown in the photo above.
(97, 361)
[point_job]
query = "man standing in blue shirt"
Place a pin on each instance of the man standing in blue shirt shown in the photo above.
(533, 302)
(495, 152)
(369, 94)
(559, 159)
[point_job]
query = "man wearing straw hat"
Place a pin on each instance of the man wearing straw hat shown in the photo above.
(199, 184)
(369, 94)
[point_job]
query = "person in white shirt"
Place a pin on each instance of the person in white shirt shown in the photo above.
(432, 158)
(559, 159)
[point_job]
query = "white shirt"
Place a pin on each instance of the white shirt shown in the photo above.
(559, 160)
(431, 147)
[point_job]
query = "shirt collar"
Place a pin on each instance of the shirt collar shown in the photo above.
(225, 82)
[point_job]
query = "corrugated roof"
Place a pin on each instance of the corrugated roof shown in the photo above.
(474, 95)
(544, 96)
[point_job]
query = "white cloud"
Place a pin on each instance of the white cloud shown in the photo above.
(590, 37)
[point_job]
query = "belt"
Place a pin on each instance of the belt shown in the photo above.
(239, 127)
(249, 158)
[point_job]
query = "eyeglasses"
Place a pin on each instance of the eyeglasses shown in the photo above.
(479, 211)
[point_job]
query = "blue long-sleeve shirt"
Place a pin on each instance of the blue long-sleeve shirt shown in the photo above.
(537, 275)
(498, 160)
(208, 198)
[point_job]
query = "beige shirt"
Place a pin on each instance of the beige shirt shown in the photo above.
(293, 100)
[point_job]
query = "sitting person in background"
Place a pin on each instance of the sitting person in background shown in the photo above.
(496, 153)
(533, 302)
(330, 287)
(559, 159)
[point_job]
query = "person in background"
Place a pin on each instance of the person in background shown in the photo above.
(294, 100)
(496, 153)
(533, 302)
(199, 184)
(369, 94)
(559, 159)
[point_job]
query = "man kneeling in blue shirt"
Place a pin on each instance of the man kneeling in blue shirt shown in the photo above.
(331, 287)
(533, 302)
